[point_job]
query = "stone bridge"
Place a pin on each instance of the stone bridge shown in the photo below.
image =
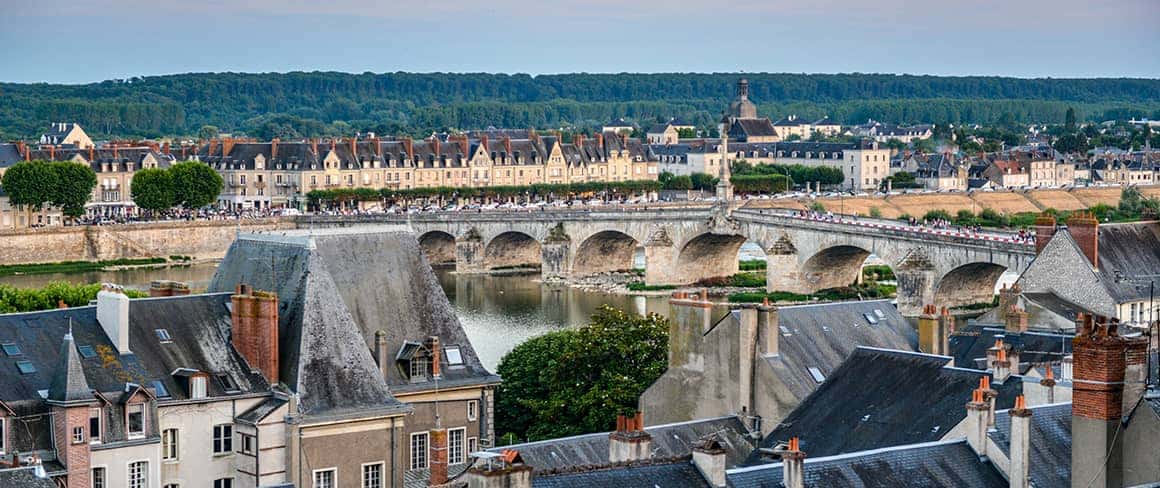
(686, 245)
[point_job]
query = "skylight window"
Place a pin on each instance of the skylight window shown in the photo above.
(870, 318)
(879, 313)
(86, 351)
(160, 389)
(11, 349)
(163, 335)
(25, 367)
(817, 374)
(227, 383)
(454, 357)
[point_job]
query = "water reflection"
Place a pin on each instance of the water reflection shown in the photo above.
(196, 275)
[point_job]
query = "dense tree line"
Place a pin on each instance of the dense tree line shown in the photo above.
(611, 189)
(189, 184)
(38, 184)
(322, 103)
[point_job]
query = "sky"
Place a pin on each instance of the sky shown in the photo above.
(80, 41)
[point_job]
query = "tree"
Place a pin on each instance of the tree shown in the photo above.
(895, 144)
(577, 381)
(680, 182)
(924, 145)
(702, 181)
(195, 184)
(72, 188)
(29, 184)
(1069, 120)
(1071, 143)
(686, 133)
(207, 132)
(153, 189)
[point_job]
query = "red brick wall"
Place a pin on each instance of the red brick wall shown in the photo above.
(1085, 230)
(1098, 388)
(438, 456)
(75, 457)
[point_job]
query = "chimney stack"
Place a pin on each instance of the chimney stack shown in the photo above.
(793, 465)
(977, 420)
(709, 458)
(768, 329)
(227, 146)
(1018, 472)
(1108, 380)
(1085, 230)
(1002, 369)
(630, 442)
(254, 329)
(438, 456)
(382, 354)
(1044, 230)
(1016, 320)
(1008, 297)
(113, 315)
(508, 471)
(274, 149)
(167, 288)
(691, 318)
(436, 356)
(932, 332)
(1048, 383)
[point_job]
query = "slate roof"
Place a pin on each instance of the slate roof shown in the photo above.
(68, 381)
(9, 155)
(881, 398)
(333, 300)
(1132, 249)
(752, 128)
(259, 412)
(681, 474)
(668, 441)
(822, 336)
(24, 477)
(969, 344)
(1050, 442)
(939, 464)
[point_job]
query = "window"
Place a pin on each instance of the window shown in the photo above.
(163, 335)
(324, 478)
(418, 369)
(169, 444)
(454, 357)
(472, 410)
(223, 483)
(25, 367)
(249, 443)
(223, 439)
(817, 374)
(372, 475)
(86, 352)
(228, 383)
(139, 474)
(419, 450)
(472, 444)
(11, 349)
(78, 435)
(135, 420)
(197, 388)
(3, 435)
(455, 445)
(98, 478)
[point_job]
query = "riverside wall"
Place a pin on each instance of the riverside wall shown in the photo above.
(200, 239)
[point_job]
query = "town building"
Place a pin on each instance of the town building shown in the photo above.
(618, 127)
(666, 133)
(66, 135)
(741, 122)
(863, 164)
(883, 133)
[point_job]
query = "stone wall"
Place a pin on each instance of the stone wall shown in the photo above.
(202, 239)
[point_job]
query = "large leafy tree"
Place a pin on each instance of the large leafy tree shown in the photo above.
(153, 189)
(72, 188)
(576, 381)
(29, 184)
(195, 184)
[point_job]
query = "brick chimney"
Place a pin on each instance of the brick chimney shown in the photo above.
(630, 442)
(436, 356)
(227, 146)
(314, 146)
(113, 315)
(1085, 230)
(274, 149)
(600, 141)
(438, 456)
(709, 459)
(51, 152)
(793, 462)
(1008, 297)
(933, 334)
(212, 146)
(507, 145)
(1044, 230)
(1018, 471)
(409, 147)
(1016, 320)
(254, 329)
(483, 142)
(167, 288)
(977, 420)
(354, 148)
(1108, 380)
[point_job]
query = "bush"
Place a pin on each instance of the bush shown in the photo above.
(878, 272)
(937, 214)
(14, 299)
(640, 286)
(751, 265)
(817, 206)
(747, 280)
(875, 212)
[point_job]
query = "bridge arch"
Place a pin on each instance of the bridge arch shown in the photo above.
(832, 267)
(968, 284)
(709, 256)
(511, 249)
(438, 246)
(604, 251)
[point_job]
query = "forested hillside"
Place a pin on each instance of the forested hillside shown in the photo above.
(321, 103)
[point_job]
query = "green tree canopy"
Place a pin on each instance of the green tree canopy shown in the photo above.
(577, 381)
(153, 189)
(29, 184)
(195, 184)
(73, 187)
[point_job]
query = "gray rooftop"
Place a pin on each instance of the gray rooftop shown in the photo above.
(680, 474)
(1050, 442)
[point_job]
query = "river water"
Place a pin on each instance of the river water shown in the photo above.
(497, 312)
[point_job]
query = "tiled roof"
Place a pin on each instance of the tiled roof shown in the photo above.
(1050, 442)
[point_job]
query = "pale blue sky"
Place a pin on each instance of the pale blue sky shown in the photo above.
(74, 41)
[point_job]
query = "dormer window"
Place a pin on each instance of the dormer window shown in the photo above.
(418, 369)
(135, 420)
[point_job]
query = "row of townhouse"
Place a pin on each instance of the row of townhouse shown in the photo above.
(864, 164)
(279, 174)
(114, 165)
(884, 132)
(304, 385)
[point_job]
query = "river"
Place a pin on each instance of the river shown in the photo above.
(497, 312)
